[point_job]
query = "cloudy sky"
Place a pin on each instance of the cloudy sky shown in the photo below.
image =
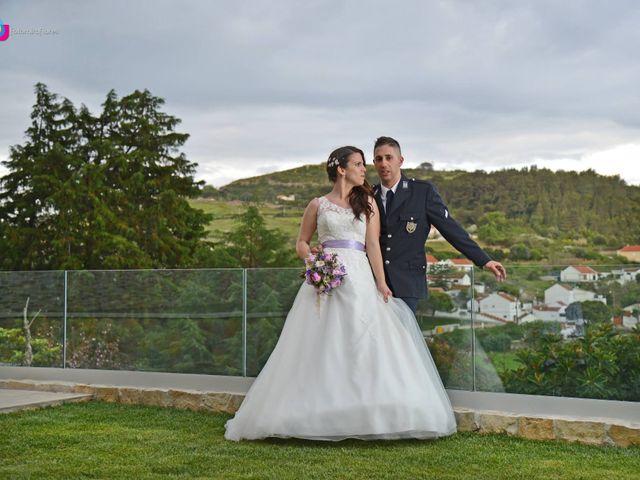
(263, 86)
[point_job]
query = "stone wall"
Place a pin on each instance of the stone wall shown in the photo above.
(589, 431)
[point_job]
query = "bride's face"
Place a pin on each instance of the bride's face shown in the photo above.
(355, 171)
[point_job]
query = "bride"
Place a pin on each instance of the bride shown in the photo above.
(352, 364)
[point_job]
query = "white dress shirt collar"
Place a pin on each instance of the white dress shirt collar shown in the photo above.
(384, 190)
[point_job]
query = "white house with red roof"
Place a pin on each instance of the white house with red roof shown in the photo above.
(563, 295)
(631, 315)
(499, 305)
(630, 252)
(459, 279)
(463, 264)
(549, 313)
(578, 273)
(629, 275)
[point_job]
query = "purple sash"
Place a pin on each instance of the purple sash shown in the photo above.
(354, 244)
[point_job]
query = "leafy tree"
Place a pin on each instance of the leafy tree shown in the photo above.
(498, 338)
(535, 332)
(439, 301)
(591, 311)
(500, 342)
(46, 353)
(106, 191)
(596, 312)
(495, 228)
(251, 244)
(209, 191)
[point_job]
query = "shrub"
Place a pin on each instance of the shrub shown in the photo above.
(603, 364)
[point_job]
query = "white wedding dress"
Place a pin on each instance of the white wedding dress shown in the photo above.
(346, 365)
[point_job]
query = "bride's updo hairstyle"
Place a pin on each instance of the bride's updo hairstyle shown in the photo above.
(359, 195)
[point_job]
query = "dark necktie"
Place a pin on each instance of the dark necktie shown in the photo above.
(389, 202)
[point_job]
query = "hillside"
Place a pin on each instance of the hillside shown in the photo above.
(532, 205)
(303, 182)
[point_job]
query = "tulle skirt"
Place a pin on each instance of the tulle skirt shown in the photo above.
(347, 365)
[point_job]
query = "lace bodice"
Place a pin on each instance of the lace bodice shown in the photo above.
(338, 223)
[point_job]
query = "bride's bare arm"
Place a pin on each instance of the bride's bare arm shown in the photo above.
(373, 250)
(307, 228)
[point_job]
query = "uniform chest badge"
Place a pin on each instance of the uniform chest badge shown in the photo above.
(411, 227)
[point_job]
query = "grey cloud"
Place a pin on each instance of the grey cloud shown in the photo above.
(283, 82)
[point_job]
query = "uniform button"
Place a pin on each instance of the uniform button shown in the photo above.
(388, 249)
(389, 236)
(424, 266)
(411, 218)
(386, 262)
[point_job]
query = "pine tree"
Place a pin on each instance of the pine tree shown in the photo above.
(100, 192)
(38, 174)
(251, 244)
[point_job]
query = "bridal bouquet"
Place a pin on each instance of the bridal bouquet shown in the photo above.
(324, 271)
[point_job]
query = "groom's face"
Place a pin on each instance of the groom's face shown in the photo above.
(387, 161)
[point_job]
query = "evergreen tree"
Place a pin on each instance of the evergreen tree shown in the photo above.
(251, 244)
(100, 192)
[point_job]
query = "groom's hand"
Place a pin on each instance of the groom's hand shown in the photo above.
(497, 269)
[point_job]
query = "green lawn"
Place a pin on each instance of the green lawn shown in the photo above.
(100, 440)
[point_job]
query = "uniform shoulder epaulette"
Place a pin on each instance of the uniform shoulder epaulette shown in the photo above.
(420, 182)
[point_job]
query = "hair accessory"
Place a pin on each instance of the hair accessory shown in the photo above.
(333, 162)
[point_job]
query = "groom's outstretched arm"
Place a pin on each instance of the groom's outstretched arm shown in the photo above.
(438, 215)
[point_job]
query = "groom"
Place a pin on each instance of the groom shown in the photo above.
(408, 208)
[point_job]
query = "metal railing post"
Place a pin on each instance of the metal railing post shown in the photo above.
(473, 329)
(244, 322)
(64, 339)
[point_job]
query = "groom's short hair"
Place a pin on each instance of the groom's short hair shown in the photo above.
(387, 141)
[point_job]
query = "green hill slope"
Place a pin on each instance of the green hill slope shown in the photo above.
(583, 207)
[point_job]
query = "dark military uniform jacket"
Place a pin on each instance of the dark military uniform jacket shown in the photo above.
(403, 233)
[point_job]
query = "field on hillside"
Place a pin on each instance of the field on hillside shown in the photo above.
(284, 218)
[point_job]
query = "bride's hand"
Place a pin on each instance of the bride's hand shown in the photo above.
(316, 249)
(384, 290)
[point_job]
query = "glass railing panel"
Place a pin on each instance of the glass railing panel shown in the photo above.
(37, 297)
(561, 330)
(445, 320)
(270, 294)
(187, 321)
(548, 330)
